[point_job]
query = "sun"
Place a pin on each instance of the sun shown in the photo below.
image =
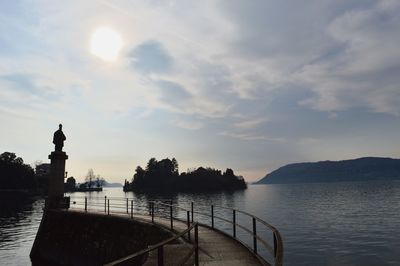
(106, 43)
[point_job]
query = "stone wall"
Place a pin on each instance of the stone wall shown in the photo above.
(77, 238)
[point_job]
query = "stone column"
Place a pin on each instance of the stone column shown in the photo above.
(56, 179)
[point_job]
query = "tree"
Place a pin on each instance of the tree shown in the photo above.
(99, 181)
(70, 184)
(89, 177)
(165, 167)
(138, 177)
(151, 165)
(8, 157)
(175, 165)
(14, 174)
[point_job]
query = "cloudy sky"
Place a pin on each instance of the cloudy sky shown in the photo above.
(250, 85)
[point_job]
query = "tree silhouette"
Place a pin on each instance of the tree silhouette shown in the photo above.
(151, 165)
(89, 177)
(99, 181)
(139, 175)
(175, 164)
(14, 174)
(70, 185)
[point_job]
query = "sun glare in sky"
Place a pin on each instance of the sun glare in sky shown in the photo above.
(106, 43)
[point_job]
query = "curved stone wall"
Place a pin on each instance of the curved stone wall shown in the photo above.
(77, 238)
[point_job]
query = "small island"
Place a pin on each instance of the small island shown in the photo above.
(164, 176)
(88, 186)
(93, 183)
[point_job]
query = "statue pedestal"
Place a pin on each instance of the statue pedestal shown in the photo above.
(56, 180)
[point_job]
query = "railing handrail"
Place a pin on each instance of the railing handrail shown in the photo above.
(251, 215)
(276, 251)
(154, 247)
(278, 256)
(159, 245)
(169, 205)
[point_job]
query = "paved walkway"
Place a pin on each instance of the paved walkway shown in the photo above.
(215, 248)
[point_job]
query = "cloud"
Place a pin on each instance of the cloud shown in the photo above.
(173, 92)
(30, 84)
(249, 124)
(151, 57)
(234, 51)
(344, 52)
(250, 136)
(364, 72)
(21, 82)
(190, 125)
(258, 73)
(271, 28)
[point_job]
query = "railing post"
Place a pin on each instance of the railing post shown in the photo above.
(254, 236)
(212, 216)
(127, 205)
(150, 208)
(275, 244)
(160, 256)
(105, 204)
(152, 211)
(234, 223)
(188, 223)
(131, 208)
(108, 206)
(192, 209)
(85, 204)
(170, 213)
(196, 243)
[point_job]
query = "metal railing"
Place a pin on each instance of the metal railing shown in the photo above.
(123, 204)
(275, 250)
(160, 249)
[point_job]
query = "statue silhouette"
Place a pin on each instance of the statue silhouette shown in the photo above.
(59, 138)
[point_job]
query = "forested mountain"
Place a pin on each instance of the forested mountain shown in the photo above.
(361, 169)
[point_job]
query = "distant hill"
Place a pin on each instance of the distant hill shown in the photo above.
(361, 169)
(106, 184)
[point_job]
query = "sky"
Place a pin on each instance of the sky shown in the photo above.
(247, 85)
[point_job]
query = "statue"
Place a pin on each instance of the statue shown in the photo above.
(59, 138)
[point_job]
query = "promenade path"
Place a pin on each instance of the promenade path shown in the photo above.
(215, 248)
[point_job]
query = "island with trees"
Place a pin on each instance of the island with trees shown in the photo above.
(164, 176)
(92, 183)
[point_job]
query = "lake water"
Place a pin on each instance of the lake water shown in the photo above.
(321, 224)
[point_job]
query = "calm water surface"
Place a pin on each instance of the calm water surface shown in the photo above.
(321, 224)
(20, 217)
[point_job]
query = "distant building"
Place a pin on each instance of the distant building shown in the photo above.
(42, 169)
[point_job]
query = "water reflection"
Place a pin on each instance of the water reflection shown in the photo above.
(321, 224)
(20, 216)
